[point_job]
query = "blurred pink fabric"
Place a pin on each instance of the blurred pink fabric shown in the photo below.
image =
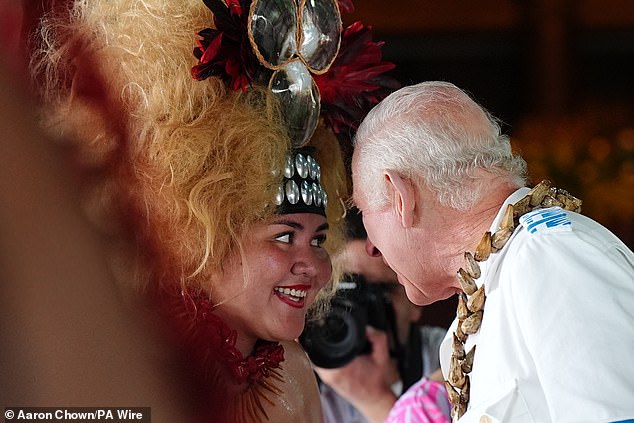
(424, 402)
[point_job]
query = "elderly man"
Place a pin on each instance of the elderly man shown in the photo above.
(545, 293)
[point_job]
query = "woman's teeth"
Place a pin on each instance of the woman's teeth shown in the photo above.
(298, 293)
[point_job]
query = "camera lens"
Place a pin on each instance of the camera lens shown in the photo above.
(337, 338)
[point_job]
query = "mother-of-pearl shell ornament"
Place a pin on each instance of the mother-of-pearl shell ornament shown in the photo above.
(296, 41)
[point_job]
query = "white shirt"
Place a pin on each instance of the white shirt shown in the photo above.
(556, 342)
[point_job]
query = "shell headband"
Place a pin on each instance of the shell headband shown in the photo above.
(301, 190)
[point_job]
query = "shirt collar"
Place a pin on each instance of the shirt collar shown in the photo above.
(511, 199)
(486, 265)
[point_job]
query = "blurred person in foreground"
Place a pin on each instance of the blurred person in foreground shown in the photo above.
(403, 358)
(62, 319)
(543, 330)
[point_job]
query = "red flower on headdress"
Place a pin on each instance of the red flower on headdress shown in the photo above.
(356, 80)
(225, 51)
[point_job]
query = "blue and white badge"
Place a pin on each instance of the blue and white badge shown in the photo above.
(552, 219)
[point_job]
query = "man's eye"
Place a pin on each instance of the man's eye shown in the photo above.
(286, 238)
(318, 241)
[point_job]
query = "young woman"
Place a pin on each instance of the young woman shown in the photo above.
(233, 221)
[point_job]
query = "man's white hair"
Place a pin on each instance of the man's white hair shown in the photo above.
(433, 133)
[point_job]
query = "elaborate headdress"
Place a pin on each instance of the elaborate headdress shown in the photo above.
(204, 160)
(290, 47)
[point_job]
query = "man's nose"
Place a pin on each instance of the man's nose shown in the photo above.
(371, 249)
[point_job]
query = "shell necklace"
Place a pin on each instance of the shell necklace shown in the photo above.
(471, 300)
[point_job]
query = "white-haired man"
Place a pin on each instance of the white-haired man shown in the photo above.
(545, 293)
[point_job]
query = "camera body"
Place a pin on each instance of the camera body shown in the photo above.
(335, 339)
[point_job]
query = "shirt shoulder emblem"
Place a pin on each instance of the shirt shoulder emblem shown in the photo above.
(552, 219)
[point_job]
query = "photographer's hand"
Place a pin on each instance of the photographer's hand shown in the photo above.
(366, 381)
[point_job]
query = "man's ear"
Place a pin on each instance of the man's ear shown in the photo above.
(403, 196)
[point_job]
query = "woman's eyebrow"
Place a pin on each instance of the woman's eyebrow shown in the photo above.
(288, 222)
(296, 225)
(323, 227)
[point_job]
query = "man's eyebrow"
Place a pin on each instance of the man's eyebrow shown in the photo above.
(296, 225)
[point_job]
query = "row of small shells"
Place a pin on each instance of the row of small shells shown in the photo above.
(471, 301)
(305, 165)
(310, 193)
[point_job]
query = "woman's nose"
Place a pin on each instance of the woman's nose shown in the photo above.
(312, 264)
(371, 249)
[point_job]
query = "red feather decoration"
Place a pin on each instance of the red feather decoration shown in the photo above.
(225, 51)
(356, 80)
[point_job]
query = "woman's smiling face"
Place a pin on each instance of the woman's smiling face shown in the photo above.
(265, 292)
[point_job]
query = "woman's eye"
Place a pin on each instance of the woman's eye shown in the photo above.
(318, 241)
(286, 238)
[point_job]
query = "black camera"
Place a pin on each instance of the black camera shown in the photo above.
(335, 339)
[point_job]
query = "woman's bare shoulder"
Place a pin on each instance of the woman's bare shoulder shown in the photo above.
(300, 398)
